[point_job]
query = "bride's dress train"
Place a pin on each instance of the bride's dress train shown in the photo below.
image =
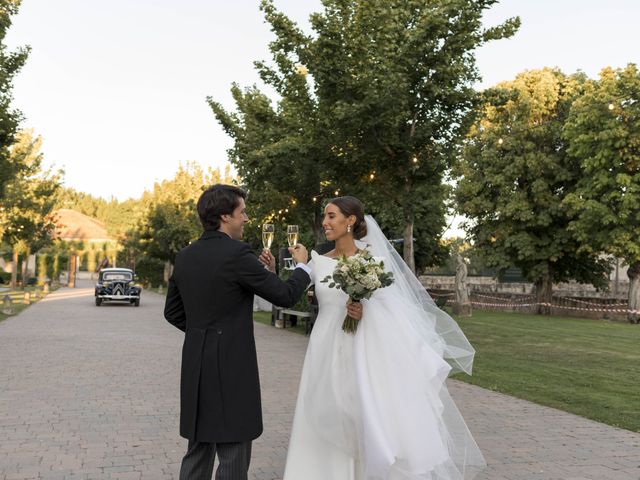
(374, 405)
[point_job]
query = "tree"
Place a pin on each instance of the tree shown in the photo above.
(381, 88)
(10, 65)
(514, 176)
(603, 132)
(395, 80)
(280, 154)
(29, 201)
(170, 221)
(118, 216)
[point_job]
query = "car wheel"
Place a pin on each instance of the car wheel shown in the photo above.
(98, 302)
(137, 302)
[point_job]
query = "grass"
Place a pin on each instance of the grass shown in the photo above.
(265, 318)
(587, 367)
(18, 306)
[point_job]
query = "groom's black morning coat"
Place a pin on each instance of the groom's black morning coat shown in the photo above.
(210, 298)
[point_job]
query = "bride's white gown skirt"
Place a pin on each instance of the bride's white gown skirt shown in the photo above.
(374, 405)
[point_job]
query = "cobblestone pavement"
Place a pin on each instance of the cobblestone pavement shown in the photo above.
(92, 393)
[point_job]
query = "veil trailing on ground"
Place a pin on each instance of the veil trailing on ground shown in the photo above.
(458, 352)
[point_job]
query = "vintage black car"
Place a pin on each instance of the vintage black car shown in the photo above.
(117, 284)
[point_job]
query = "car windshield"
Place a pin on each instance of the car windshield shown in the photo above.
(111, 276)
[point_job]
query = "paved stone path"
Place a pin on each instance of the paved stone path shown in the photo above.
(92, 393)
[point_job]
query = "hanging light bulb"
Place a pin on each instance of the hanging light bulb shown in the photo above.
(500, 141)
(315, 199)
(415, 159)
(611, 106)
(337, 192)
(372, 176)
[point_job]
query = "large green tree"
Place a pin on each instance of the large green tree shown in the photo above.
(170, 220)
(374, 101)
(279, 151)
(10, 65)
(514, 176)
(29, 201)
(603, 132)
(395, 84)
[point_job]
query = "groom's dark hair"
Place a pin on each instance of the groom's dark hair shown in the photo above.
(218, 200)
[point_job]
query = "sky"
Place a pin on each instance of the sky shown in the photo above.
(118, 89)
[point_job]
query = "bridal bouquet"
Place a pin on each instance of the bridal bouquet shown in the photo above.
(358, 276)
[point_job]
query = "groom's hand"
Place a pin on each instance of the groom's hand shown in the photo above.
(268, 260)
(299, 253)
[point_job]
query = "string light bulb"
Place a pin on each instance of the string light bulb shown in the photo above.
(337, 192)
(372, 176)
(611, 106)
(415, 159)
(315, 199)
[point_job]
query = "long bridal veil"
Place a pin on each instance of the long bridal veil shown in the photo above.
(458, 352)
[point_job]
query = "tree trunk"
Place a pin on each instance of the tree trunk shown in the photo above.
(407, 234)
(41, 262)
(544, 294)
(14, 269)
(55, 274)
(408, 253)
(73, 267)
(634, 292)
(25, 268)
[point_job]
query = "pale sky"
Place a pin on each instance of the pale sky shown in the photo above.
(117, 89)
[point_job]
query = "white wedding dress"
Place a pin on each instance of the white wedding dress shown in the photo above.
(374, 405)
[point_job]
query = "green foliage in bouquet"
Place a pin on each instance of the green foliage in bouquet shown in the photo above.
(358, 276)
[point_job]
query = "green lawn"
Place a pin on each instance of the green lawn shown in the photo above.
(18, 306)
(265, 318)
(587, 367)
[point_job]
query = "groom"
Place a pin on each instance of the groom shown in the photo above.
(210, 298)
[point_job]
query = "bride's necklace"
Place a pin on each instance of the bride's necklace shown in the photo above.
(344, 255)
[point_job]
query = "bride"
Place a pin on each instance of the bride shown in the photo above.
(374, 405)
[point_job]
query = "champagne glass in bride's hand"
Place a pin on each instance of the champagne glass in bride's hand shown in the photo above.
(292, 239)
(268, 232)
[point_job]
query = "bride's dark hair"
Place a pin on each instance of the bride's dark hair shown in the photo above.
(352, 206)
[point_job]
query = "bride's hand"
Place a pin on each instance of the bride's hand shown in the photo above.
(354, 310)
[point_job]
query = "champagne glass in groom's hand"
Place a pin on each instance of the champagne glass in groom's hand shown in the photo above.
(266, 258)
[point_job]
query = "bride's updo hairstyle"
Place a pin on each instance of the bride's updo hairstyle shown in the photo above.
(352, 206)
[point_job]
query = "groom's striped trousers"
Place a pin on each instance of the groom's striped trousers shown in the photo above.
(234, 459)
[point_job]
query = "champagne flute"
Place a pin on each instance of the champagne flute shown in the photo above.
(292, 239)
(268, 232)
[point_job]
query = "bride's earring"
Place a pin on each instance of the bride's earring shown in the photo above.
(349, 228)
